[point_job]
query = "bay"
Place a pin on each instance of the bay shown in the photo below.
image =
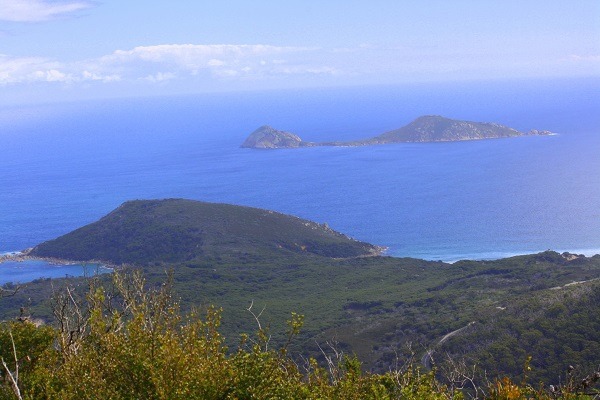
(26, 271)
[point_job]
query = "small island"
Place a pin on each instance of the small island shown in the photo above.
(428, 128)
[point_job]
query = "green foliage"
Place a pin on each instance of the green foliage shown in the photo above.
(141, 347)
(556, 328)
(498, 313)
(22, 345)
(138, 345)
(132, 342)
(376, 306)
(373, 306)
(176, 230)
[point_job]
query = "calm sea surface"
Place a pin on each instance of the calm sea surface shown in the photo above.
(63, 166)
(18, 272)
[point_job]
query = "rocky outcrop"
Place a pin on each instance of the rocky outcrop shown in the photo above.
(266, 137)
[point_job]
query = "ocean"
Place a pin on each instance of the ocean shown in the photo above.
(31, 270)
(66, 165)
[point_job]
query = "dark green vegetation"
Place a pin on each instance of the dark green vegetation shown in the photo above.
(384, 309)
(429, 128)
(176, 231)
(556, 328)
(128, 341)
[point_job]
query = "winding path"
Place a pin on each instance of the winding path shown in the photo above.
(426, 359)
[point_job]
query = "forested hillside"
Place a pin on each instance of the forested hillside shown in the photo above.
(489, 315)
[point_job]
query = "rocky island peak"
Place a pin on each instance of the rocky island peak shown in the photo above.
(267, 137)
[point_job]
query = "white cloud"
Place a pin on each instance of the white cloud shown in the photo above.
(162, 63)
(226, 73)
(38, 10)
(82, 76)
(160, 77)
(213, 62)
(19, 70)
(205, 65)
(193, 57)
(24, 69)
(221, 61)
(54, 75)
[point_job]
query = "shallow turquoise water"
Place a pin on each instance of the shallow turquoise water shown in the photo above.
(26, 271)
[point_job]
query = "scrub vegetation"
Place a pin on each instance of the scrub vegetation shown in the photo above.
(377, 324)
(133, 342)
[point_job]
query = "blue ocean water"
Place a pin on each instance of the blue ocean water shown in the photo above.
(66, 165)
(27, 271)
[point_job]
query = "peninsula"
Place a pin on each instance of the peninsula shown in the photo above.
(142, 232)
(428, 128)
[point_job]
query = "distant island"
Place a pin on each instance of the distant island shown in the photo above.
(428, 128)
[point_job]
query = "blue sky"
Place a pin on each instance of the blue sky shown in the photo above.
(75, 49)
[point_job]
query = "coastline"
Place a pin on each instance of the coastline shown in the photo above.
(23, 256)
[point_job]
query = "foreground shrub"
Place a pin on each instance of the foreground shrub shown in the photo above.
(131, 342)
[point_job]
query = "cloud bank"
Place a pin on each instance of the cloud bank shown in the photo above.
(38, 10)
(199, 67)
(161, 63)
